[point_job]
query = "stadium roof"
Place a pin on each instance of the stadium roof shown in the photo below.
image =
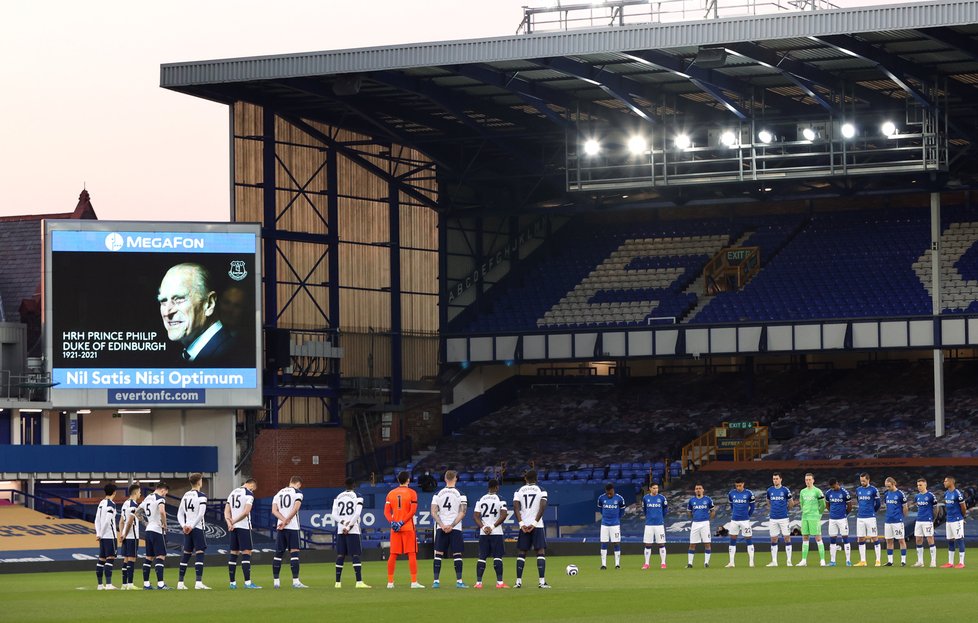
(523, 94)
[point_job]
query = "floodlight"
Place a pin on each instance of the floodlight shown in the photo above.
(682, 141)
(809, 134)
(848, 130)
(592, 147)
(888, 128)
(728, 138)
(765, 136)
(636, 144)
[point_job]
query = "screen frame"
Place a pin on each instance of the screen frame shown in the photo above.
(79, 398)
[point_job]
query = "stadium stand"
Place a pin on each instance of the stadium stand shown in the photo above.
(858, 264)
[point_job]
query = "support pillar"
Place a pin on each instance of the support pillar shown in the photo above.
(394, 214)
(936, 306)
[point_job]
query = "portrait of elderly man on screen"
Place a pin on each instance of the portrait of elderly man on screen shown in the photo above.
(188, 305)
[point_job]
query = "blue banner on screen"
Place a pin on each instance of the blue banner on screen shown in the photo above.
(129, 396)
(154, 378)
(151, 242)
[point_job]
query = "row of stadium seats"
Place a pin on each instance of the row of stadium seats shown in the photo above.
(832, 265)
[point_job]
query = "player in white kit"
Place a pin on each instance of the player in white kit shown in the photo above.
(490, 513)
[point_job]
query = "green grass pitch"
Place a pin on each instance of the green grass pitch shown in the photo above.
(675, 594)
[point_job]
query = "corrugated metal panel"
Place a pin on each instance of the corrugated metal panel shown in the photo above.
(664, 36)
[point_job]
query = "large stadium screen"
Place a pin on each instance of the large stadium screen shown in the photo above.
(152, 314)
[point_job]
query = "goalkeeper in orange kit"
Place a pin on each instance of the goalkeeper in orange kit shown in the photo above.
(400, 508)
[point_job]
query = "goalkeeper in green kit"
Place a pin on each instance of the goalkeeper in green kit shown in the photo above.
(812, 502)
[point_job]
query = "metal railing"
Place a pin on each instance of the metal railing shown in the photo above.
(51, 504)
(567, 15)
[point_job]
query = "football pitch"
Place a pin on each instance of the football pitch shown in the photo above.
(675, 594)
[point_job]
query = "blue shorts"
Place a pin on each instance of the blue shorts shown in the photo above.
(536, 540)
(130, 548)
(348, 544)
(194, 542)
(106, 548)
(240, 540)
(286, 540)
(490, 546)
(155, 544)
(450, 542)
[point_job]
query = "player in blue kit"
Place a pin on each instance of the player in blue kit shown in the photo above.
(701, 510)
(893, 527)
(840, 504)
(780, 500)
(867, 503)
(954, 508)
(742, 506)
(655, 507)
(612, 507)
(923, 528)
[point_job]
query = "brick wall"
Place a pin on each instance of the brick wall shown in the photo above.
(283, 453)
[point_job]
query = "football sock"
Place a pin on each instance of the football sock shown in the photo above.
(294, 563)
(99, 570)
(339, 567)
(391, 565)
(879, 551)
(159, 571)
(750, 551)
(480, 568)
(848, 550)
(147, 566)
(542, 567)
(662, 554)
(520, 563)
(604, 554)
(184, 560)
(413, 565)
(648, 554)
(774, 552)
(199, 566)
(246, 566)
(862, 552)
(889, 554)
(458, 567)
(708, 553)
(903, 555)
(232, 566)
(497, 565)
(436, 567)
(689, 556)
(276, 566)
(108, 571)
(617, 555)
(356, 569)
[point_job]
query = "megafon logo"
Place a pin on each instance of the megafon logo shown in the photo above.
(113, 241)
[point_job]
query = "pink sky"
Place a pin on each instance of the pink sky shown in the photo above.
(81, 99)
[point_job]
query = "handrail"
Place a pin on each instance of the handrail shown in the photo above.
(60, 503)
(753, 446)
(700, 451)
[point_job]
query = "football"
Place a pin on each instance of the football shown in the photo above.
(571, 569)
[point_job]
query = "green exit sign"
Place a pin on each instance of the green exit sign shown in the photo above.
(741, 424)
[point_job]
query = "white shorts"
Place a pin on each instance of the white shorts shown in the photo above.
(699, 532)
(780, 527)
(655, 534)
(838, 527)
(923, 528)
(954, 529)
(611, 533)
(741, 528)
(867, 526)
(894, 531)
